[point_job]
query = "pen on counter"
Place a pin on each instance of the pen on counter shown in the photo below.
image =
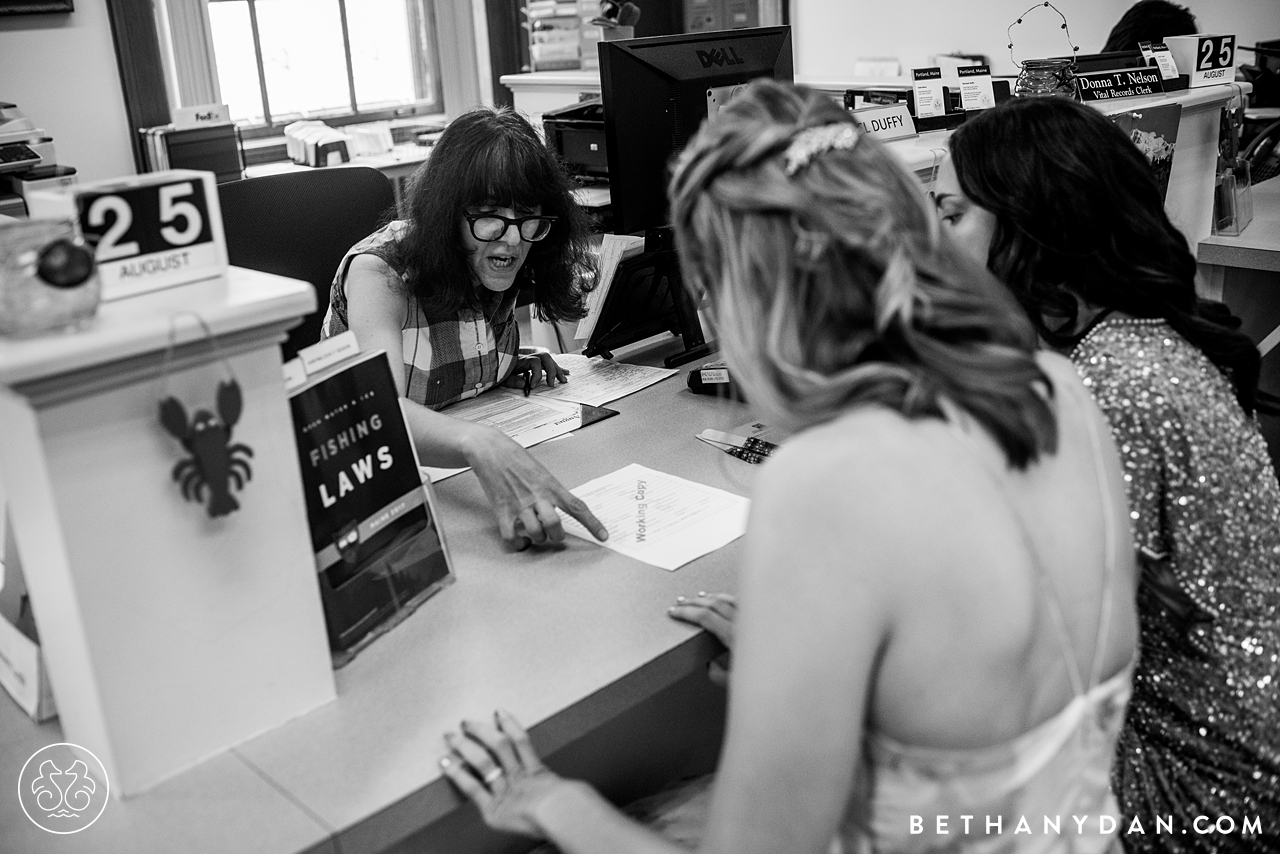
(528, 381)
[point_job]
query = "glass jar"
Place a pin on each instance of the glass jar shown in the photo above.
(1047, 77)
(48, 279)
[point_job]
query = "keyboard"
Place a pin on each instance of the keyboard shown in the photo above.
(15, 156)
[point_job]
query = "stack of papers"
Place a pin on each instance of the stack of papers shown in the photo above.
(597, 381)
(551, 411)
(527, 420)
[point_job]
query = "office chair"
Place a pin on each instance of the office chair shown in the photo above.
(1263, 154)
(300, 224)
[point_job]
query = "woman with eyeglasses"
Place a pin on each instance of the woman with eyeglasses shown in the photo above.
(491, 213)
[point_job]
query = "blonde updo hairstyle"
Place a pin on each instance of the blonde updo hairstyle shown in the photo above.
(832, 286)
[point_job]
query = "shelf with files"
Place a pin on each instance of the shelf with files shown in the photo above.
(554, 30)
(215, 149)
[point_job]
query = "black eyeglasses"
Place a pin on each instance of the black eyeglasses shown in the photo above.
(486, 227)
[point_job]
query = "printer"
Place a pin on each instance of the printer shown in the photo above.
(576, 133)
(27, 160)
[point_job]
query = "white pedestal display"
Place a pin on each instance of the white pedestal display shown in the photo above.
(169, 635)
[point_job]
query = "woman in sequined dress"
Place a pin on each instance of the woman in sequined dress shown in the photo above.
(1063, 208)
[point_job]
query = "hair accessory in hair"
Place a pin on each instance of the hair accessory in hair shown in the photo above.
(811, 142)
(810, 246)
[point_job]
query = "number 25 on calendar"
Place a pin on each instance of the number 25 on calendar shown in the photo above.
(149, 232)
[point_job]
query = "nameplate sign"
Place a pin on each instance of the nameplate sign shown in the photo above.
(1127, 83)
(203, 116)
(1208, 59)
(884, 123)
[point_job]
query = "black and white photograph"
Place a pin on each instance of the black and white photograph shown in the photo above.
(639, 427)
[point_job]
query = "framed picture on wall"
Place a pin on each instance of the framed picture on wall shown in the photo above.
(32, 7)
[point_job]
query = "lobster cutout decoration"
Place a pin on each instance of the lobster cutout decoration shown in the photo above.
(215, 464)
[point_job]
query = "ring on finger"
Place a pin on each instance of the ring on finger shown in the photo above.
(491, 777)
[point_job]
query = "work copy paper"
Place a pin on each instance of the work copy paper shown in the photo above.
(659, 518)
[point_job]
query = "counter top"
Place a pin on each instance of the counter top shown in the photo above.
(1258, 246)
(408, 154)
(134, 326)
(538, 633)
(590, 79)
(566, 639)
(543, 90)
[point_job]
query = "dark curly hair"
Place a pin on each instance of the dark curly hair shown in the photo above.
(1079, 214)
(495, 157)
(1150, 21)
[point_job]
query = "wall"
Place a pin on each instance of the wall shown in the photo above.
(1251, 20)
(61, 72)
(829, 35)
(61, 69)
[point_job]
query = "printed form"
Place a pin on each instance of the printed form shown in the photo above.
(527, 420)
(596, 381)
(551, 411)
(658, 518)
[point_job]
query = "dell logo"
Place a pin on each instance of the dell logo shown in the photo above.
(716, 56)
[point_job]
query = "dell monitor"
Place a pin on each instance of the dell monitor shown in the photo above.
(658, 90)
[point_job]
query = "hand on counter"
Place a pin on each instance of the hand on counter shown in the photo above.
(523, 493)
(495, 766)
(533, 368)
(714, 612)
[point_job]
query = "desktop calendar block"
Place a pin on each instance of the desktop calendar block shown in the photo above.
(1207, 59)
(149, 232)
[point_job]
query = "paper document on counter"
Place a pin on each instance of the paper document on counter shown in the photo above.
(597, 381)
(659, 518)
(527, 420)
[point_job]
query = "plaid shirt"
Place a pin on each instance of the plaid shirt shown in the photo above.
(446, 359)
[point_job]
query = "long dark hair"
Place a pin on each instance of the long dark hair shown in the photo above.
(1078, 213)
(494, 156)
(832, 285)
(1150, 21)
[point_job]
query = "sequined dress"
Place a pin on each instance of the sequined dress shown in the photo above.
(1202, 732)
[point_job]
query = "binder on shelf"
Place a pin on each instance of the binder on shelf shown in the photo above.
(213, 149)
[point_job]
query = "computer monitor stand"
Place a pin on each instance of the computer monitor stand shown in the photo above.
(696, 345)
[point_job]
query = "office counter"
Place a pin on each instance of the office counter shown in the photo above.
(574, 641)
(1244, 272)
(1255, 248)
(1190, 197)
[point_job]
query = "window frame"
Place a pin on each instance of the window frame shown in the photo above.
(422, 15)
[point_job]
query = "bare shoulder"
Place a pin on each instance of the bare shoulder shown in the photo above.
(865, 443)
(1056, 365)
(373, 289)
(871, 468)
(366, 268)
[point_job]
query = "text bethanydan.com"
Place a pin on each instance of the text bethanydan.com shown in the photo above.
(996, 825)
